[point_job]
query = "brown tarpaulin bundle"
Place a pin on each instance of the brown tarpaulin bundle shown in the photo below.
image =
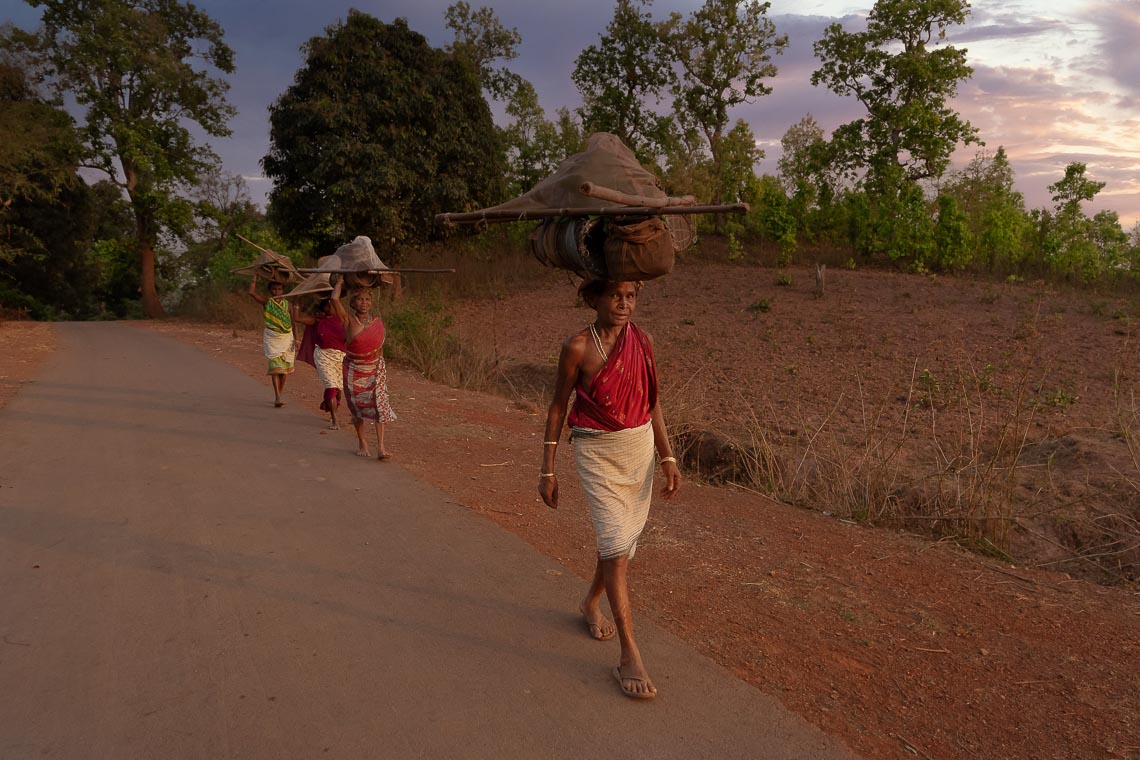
(633, 248)
(606, 162)
(358, 256)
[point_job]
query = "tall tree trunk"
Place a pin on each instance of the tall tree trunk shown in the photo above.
(152, 307)
(144, 239)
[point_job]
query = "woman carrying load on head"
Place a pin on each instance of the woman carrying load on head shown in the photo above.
(617, 425)
(365, 374)
(277, 339)
(323, 347)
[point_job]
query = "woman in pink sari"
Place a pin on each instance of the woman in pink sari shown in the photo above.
(323, 347)
(617, 426)
(365, 374)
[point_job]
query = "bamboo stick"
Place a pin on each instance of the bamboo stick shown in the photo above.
(311, 270)
(255, 245)
(590, 190)
(473, 217)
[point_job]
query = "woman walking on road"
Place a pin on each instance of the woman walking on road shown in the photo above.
(365, 374)
(323, 347)
(617, 424)
(277, 339)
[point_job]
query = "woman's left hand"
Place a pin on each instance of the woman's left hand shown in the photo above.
(672, 479)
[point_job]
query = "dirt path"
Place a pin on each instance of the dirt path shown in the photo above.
(902, 647)
(26, 346)
(187, 572)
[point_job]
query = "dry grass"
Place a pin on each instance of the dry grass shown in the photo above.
(956, 465)
(221, 306)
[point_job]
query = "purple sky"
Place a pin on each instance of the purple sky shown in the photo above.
(1052, 86)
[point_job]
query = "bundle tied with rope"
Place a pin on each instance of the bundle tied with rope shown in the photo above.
(356, 262)
(602, 216)
(360, 267)
(269, 266)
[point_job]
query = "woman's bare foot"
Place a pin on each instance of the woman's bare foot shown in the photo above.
(334, 426)
(278, 403)
(384, 455)
(363, 452)
(634, 681)
(600, 627)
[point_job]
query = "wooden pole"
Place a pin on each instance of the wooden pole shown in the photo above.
(503, 216)
(591, 190)
(375, 271)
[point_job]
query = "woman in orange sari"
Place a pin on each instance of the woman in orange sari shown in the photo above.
(365, 374)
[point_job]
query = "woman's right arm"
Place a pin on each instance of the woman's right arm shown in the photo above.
(253, 292)
(338, 307)
(569, 367)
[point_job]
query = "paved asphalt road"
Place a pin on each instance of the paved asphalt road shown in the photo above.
(186, 572)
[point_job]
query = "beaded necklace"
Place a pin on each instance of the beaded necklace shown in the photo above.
(598, 342)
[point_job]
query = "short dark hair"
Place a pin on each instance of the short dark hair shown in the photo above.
(592, 288)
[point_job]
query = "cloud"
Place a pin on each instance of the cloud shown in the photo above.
(1118, 24)
(1003, 28)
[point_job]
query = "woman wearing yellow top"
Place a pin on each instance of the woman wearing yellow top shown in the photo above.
(277, 340)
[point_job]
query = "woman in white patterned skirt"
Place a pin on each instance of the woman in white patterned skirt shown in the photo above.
(617, 426)
(323, 346)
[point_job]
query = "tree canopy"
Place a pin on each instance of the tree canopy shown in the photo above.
(622, 76)
(724, 53)
(378, 132)
(131, 64)
(902, 74)
(38, 155)
(481, 39)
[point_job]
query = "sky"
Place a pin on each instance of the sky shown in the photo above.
(1054, 82)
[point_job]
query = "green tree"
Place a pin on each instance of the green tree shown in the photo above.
(223, 209)
(953, 244)
(1072, 190)
(481, 39)
(739, 156)
(1068, 233)
(800, 164)
(688, 169)
(622, 77)
(1110, 239)
(724, 51)
(890, 217)
(773, 216)
(39, 152)
(131, 64)
(533, 144)
(904, 76)
(378, 133)
(996, 214)
(82, 264)
(809, 178)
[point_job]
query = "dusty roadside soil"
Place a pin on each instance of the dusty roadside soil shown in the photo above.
(891, 384)
(901, 646)
(25, 347)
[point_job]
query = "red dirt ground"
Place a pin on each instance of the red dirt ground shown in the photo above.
(1057, 369)
(26, 346)
(902, 646)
